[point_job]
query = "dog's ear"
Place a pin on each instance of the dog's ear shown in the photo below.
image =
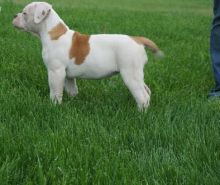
(42, 10)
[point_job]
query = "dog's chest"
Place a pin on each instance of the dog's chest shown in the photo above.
(55, 56)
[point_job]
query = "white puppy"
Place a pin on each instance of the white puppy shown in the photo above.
(68, 54)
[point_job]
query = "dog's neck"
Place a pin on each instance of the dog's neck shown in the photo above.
(48, 25)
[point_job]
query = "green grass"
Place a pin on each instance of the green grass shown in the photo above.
(99, 137)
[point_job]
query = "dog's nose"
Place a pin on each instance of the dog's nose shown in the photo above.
(15, 15)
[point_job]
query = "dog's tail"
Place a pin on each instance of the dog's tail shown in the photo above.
(150, 45)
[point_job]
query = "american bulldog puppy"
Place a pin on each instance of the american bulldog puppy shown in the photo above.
(68, 54)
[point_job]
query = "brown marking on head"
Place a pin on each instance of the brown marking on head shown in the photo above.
(146, 42)
(57, 31)
(80, 47)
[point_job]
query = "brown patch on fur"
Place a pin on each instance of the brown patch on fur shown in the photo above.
(80, 47)
(57, 31)
(147, 42)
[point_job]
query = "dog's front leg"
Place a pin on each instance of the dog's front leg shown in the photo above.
(71, 87)
(56, 80)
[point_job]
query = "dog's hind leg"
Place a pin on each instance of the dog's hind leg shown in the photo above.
(134, 80)
(147, 89)
(71, 87)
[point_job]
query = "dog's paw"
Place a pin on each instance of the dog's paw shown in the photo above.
(142, 107)
(71, 88)
(72, 92)
(56, 99)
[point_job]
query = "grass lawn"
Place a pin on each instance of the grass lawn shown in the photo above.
(99, 137)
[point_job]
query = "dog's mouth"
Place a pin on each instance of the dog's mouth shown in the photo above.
(18, 27)
(25, 30)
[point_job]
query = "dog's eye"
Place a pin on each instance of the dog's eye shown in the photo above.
(24, 13)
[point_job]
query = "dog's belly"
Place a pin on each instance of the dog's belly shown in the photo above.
(92, 69)
(76, 72)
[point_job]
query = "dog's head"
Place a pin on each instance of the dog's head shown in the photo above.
(32, 17)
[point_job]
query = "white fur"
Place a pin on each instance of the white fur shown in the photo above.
(109, 54)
